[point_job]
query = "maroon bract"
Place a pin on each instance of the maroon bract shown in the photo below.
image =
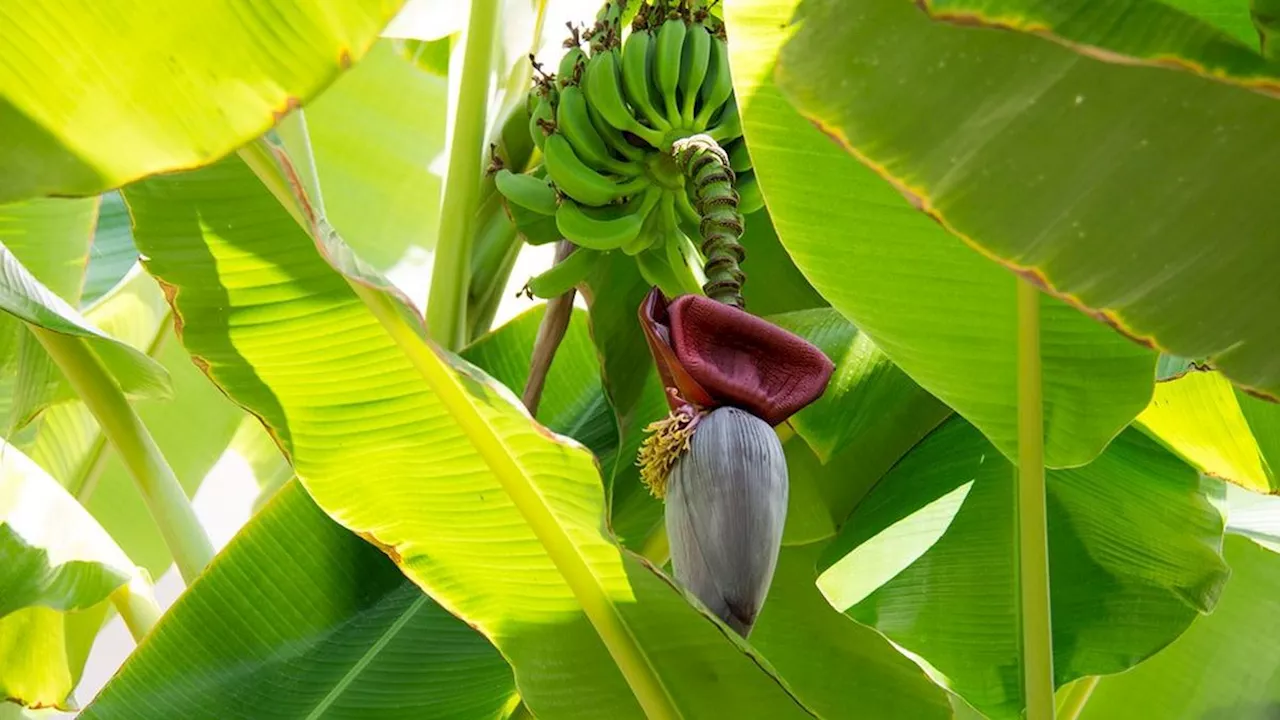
(711, 355)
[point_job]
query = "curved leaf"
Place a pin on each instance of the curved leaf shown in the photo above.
(112, 254)
(499, 519)
(1127, 190)
(843, 669)
(868, 398)
(57, 567)
(1227, 665)
(1133, 552)
(938, 309)
(360, 638)
(90, 100)
(26, 298)
(1202, 418)
(1152, 32)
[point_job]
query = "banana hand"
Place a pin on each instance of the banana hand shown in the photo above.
(574, 121)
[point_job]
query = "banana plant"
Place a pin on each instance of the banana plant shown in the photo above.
(639, 358)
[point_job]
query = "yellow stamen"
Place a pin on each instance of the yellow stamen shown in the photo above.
(667, 439)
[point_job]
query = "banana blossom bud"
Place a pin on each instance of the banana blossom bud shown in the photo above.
(730, 377)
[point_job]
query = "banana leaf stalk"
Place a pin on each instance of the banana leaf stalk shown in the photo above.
(730, 378)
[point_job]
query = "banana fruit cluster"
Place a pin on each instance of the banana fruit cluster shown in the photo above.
(605, 124)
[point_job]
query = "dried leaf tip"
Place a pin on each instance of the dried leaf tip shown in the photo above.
(667, 439)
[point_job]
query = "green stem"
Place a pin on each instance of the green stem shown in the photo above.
(137, 606)
(1033, 540)
(160, 488)
(706, 167)
(451, 273)
(1076, 696)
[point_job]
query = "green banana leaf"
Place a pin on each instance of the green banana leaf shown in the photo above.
(91, 99)
(1134, 555)
(614, 291)
(112, 254)
(1122, 187)
(938, 309)
(867, 399)
(774, 283)
(57, 569)
(374, 136)
(362, 640)
(841, 668)
(1217, 429)
(400, 650)
(497, 518)
(1226, 666)
(1153, 32)
(51, 239)
(26, 298)
(1229, 16)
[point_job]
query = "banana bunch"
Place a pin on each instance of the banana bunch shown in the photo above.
(605, 124)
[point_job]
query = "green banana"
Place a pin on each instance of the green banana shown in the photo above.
(693, 69)
(749, 197)
(655, 267)
(685, 207)
(717, 86)
(603, 229)
(666, 64)
(570, 71)
(564, 275)
(580, 182)
(635, 77)
(542, 113)
(573, 120)
(729, 125)
(612, 137)
(739, 159)
(645, 210)
(604, 92)
(526, 191)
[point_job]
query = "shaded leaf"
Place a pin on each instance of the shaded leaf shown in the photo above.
(91, 100)
(937, 308)
(112, 254)
(361, 638)
(1119, 186)
(1133, 553)
(1226, 666)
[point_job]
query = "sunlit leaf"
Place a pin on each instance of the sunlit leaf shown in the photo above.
(90, 100)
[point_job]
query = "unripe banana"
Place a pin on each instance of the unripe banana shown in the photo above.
(650, 232)
(749, 197)
(604, 92)
(612, 137)
(573, 120)
(693, 69)
(739, 159)
(526, 191)
(580, 182)
(609, 230)
(542, 115)
(565, 275)
(726, 505)
(636, 54)
(571, 66)
(729, 125)
(718, 85)
(688, 214)
(666, 64)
